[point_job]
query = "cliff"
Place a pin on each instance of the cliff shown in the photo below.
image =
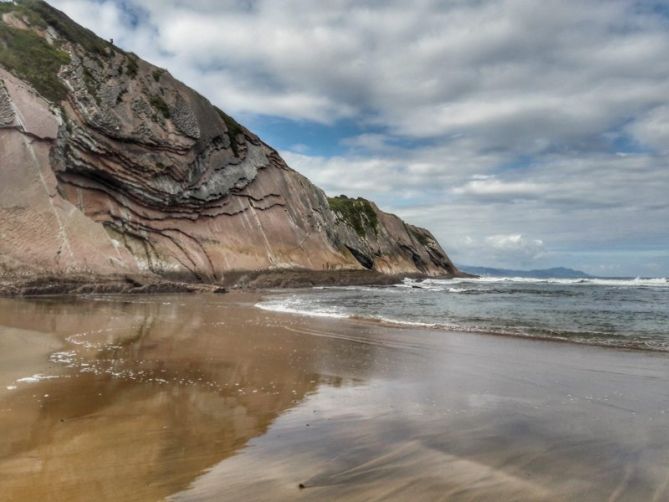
(109, 165)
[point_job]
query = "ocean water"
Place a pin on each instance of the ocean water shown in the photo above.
(625, 313)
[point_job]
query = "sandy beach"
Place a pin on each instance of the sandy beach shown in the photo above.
(205, 397)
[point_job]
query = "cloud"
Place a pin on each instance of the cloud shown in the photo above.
(348, 175)
(506, 250)
(652, 129)
(368, 142)
(476, 118)
(495, 188)
(529, 75)
(516, 246)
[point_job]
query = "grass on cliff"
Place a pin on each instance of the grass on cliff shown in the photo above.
(131, 65)
(357, 213)
(157, 74)
(31, 58)
(24, 12)
(159, 104)
(67, 28)
(420, 236)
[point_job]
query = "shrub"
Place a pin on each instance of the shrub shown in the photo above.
(157, 74)
(67, 28)
(131, 66)
(29, 57)
(159, 104)
(356, 213)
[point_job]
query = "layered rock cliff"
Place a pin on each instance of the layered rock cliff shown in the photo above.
(109, 165)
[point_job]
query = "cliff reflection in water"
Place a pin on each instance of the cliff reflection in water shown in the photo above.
(148, 395)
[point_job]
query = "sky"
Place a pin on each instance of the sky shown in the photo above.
(522, 133)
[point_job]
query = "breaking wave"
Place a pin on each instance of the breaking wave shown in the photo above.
(627, 313)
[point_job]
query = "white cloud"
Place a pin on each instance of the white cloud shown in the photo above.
(496, 188)
(505, 250)
(510, 72)
(349, 175)
(652, 129)
(519, 111)
(516, 246)
(371, 142)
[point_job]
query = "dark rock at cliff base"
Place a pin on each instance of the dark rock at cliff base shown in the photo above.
(48, 285)
(111, 166)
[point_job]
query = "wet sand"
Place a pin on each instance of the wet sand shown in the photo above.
(207, 398)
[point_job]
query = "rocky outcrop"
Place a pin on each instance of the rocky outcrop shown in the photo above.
(110, 166)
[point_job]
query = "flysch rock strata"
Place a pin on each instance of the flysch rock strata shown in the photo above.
(115, 167)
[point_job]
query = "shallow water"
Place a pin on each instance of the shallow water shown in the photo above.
(626, 313)
(208, 398)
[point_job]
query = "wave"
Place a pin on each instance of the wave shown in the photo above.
(371, 289)
(443, 284)
(602, 339)
(458, 285)
(288, 308)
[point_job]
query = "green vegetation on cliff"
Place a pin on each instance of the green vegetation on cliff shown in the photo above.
(131, 65)
(159, 104)
(420, 236)
(67, 28)
(27, 54)
(157, 74)
(31, 58)
(22, 11)
(356, 213)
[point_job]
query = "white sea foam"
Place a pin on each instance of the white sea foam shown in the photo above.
(602, 338)
(397, 322)
(35, 378)
(66, 357)
(446, 284)
(459, 307)
(289, 307)
(440, 284)
(292, 306)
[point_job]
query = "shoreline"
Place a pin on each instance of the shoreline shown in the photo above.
(49, 284)
(387, 323)
(262, 283)
(231, 401)
(394, 324)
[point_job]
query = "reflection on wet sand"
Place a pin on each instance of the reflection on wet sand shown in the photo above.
(479, 418)
(148, 395)
(206, 398)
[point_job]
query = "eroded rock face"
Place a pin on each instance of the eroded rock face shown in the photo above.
(129, 170)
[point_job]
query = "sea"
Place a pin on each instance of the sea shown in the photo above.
(622, 313)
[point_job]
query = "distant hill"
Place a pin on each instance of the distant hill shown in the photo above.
(556, 272)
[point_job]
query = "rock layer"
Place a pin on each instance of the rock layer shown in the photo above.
(109, 165)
